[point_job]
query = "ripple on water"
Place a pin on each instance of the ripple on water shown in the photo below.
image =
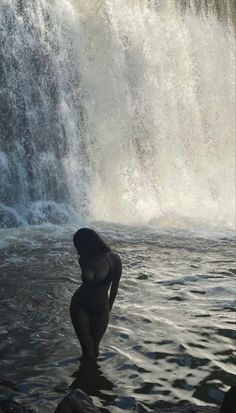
(170, 335)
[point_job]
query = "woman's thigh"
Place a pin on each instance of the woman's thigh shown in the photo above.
(81, 322)
(98, 324)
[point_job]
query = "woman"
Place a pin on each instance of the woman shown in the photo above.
(90, 305)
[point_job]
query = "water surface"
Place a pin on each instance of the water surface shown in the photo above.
(171, 331)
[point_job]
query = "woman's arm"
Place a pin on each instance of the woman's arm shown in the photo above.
(117, 271)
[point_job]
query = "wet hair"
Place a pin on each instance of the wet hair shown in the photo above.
(87, 240)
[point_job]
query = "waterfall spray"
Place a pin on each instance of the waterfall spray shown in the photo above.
(120, 111)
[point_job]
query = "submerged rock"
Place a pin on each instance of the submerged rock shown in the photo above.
(142, 277)
(76, 402)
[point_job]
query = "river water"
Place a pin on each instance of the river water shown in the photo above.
(171, 332)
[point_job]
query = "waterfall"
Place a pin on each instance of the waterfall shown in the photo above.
(118, 111)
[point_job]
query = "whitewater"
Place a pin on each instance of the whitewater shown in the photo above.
(118, 111)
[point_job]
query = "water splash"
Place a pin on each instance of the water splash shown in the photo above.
(123, 111)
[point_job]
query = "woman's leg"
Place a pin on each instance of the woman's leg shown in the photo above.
(81, 323)
(98, 325)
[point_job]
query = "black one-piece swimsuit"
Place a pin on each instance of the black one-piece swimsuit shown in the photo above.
(92, 295)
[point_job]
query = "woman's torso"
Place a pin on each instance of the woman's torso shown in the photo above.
(92, 295)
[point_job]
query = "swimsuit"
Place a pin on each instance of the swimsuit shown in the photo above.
(89, 296)
(96, 282)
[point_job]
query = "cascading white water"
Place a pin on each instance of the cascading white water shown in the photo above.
(123, 111)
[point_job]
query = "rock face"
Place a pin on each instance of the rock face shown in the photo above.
(76, 402)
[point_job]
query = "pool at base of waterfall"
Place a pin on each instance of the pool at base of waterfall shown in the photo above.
(171, 331)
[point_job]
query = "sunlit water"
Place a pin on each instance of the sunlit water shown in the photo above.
(171, 332)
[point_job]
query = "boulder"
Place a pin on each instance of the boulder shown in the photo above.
(76, 402)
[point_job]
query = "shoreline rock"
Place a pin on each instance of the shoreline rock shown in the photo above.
(76, 401)
(79, 402)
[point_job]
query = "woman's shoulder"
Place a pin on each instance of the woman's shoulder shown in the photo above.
(116, 263)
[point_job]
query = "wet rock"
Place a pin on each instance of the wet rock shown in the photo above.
(76, 402)
(142, 277)
(187, 408)
(8, 406)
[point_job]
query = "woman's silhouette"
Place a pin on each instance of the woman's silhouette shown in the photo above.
(91, 305)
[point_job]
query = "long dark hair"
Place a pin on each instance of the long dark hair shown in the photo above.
(88, 241)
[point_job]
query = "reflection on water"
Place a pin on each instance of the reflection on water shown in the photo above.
(91, 380)
(171, 332)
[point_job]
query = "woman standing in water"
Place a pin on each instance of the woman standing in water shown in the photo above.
(91, 305)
